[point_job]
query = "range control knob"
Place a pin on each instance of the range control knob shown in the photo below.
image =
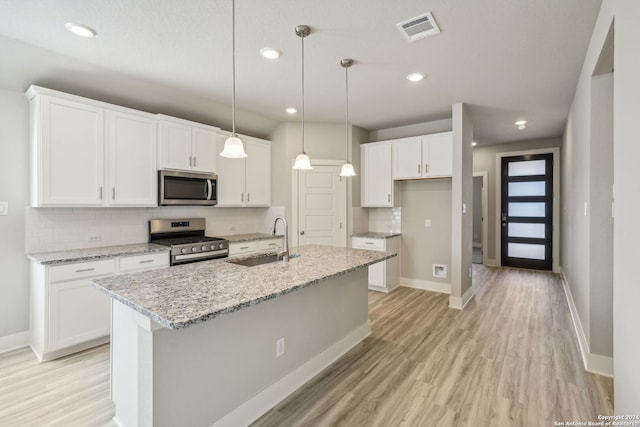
(204, 248)
(213, 247)
(221, 245)
(183, 250)
(194, 249)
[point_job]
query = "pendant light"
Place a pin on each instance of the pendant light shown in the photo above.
(233, 148)
(302, 160)
(347, 168)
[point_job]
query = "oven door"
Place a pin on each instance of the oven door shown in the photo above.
(186, 188)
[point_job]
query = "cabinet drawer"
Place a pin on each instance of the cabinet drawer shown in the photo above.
(242, 248)
(144, 262)
(82, 269)
(269, 245)
(368, 243)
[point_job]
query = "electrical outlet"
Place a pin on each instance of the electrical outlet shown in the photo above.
(279, 347)
(427, 223)
(94, 238)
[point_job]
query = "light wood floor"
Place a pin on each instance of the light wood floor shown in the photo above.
(508, 359)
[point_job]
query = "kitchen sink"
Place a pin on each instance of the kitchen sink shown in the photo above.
(259, 260)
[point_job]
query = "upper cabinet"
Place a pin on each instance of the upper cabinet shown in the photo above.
(428, 156)
(88, 153)
(245, 182)
(377, 181)
(186, 145)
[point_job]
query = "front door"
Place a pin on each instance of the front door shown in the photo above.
(527, 211)
(322, 195)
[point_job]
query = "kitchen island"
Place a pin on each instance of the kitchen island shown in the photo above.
(216, 343)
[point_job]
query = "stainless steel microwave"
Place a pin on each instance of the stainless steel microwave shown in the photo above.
(187, 188)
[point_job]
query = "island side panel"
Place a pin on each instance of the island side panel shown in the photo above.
(206, 371)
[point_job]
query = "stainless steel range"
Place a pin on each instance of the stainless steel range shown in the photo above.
(186, 239)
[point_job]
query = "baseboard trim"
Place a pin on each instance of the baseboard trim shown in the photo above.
(426, 285)
(258, 405)
(491, 262)
(459, 303)
(594, 363)
(14, 341)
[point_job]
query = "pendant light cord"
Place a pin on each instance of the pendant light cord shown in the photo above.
(233, 67)
(302, 112)
(346, 123)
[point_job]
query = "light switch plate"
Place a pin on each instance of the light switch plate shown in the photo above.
(4, 208)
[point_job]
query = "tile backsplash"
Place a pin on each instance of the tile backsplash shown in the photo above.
(385, 220)
(54, 229)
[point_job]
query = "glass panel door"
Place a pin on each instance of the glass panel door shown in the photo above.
(527, 211)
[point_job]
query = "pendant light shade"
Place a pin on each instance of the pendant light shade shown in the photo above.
(347, 168)
(302, 160)
(233, 148)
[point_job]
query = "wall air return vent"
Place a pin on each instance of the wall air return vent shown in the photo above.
(418, 27)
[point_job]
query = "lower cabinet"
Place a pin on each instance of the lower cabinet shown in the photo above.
(383, 276)
(255, 247)
(67, 313)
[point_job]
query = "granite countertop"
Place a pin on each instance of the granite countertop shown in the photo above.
(92, 254)
(376, 235)
(248, 237)
(180, 296)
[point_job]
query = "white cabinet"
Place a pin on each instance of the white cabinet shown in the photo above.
(89, 153)
(377, 181)
(428, 156)
(255, 246)
(186, 145)
(245, 182)
(383, 276)
(67, 313)
(132, 160)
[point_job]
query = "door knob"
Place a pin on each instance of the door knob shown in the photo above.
(302, 233)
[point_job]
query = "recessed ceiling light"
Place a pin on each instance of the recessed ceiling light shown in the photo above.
(270, 53)
(415, 77)
(291, 110)
(522, 127)
(520, 123)
(80, 30)
(473, 144)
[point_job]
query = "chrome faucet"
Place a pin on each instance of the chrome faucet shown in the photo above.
(285, 249)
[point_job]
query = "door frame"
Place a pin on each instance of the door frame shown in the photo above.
(485, 214)
(555, 241)
(294, 201)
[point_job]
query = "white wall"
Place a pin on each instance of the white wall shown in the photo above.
(626, 339)
(14, 188)
(587, 170)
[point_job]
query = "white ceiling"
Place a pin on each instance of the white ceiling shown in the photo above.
(509, 59)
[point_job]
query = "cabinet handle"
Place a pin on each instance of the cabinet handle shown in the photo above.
(418, 169)
(113, 193)
(272, 244)
(194, 161)
(244, 247)
(426, 168)
(242, 197)
(248, 197)
(368, 243)
(100, 192)
(302, 233)
(146, 261)
(84, 270)
(190, 162)
(389, 198)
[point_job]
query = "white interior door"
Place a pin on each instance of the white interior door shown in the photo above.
(322, 195)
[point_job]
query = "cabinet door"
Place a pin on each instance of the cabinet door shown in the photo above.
(175, 146)
(377, 275)
(258, 173)
(77, 313)
(437, 155)
(231, 178)
(407, 154)
(203, 150)
(377, 182)
(132, 160)
(71, 168)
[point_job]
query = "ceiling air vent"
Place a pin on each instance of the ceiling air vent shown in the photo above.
(418, 27)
